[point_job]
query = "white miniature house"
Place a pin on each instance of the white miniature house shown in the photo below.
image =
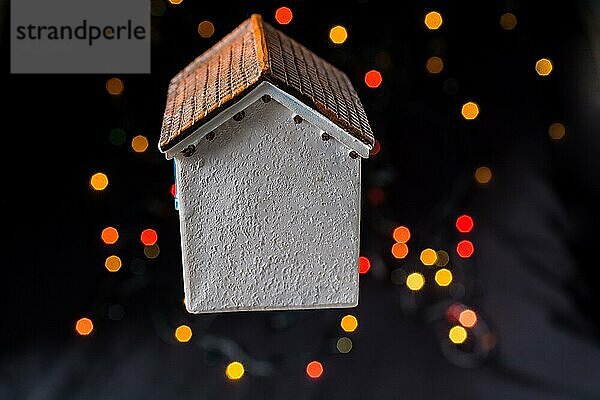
(268, 140)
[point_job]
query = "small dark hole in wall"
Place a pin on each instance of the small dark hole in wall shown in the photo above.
(239, 116)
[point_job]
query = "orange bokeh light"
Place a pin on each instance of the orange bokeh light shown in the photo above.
(467, 318)
(110, 235)
(84, 326)
(373, 79)
(314, 369)
(401, 234)
(399, 250)
(364, 265)
(284, 15)
(149, 237)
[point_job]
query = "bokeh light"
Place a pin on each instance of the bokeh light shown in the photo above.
(338, 34)
(464, 223)
(470, 110)
(117, 136)
(284, 15)
(173, 190)
(151, 251)
(139, 144)
(149, 237)
(415, 281)
(556, 131)
(84, 326)
(115, 86)
(428, 257)
(364, 265)
(314, 369)
(183, 333)
(467, 318)
(457, 334)
(109, 235)
(434, 65)
(113, 263)
(235, 370)
(376, 148)
(401, 234)
(206, 29)
(465, 248)
(543, 67)
(483, 175)
(508, 21)
(175, 2)
(344, 345)
(443, 277)
(99, 181)
(433, 20)
(399, 250)
(373, 79)
(349, 323)
(442, 258)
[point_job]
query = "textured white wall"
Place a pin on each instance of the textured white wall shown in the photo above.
(269, 216)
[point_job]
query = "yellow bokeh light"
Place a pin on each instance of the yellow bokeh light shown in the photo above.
(183, 333)
(442, 258)
(457, 334)
(206, 29)
(139, 144)
(443, 277)
(428, 257)
(349, 323)
(113, 263)
(557, 131)
(415, 281)
(483, 175)
(175, 2)
(508, 21)
(344, 345)
(543, 67)
(151, 251)
(470, 110)
(234, 370)
(338, 34)
(433, 20)
(434, 65)
(99, 181)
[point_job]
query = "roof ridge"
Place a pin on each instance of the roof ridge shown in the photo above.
(262, 51)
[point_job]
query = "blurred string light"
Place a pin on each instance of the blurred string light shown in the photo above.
(433, 20)
(483, 175)
(464, 223)
(99, 181)
(151, 251)
(401, 234)
(206, 29)
(84, 326)
(117, 136)
(399, 250)
(338, 34)
(467, 318)
(115, 86)
(457, 334)
(373, 79)
(470, 110)
(442, 258)
(109, 235)
(234, 371)
(556, 131)
(139, 144)
(149, 237)
(314, 369)
(284, 15)
(443, 277)
(465, 248)
(344, 345)
(508, 21)
(364, 265)
(434, 65)
(543, 67)
(183, 333)
(428, 257)
(349, 323)
(113, 263)
(415, 281)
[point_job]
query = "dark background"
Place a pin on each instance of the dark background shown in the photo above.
(533, 279)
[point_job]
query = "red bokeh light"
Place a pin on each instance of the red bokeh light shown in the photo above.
(173, 190)
(314, 369)
(464, 224)
(453, 312)
(284, 15)
(376, 148)
(376, 196)
(364, 265)
(149, 237)
(373, 79)
(465, 248)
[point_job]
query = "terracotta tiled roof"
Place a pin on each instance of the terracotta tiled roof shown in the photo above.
(252, 53)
